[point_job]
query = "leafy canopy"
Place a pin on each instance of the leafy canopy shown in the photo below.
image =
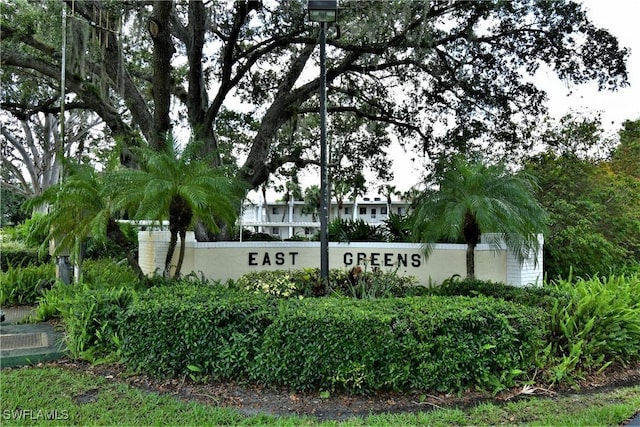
(437, 75)
(593, 204)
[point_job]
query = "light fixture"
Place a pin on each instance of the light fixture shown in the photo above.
(322, 10)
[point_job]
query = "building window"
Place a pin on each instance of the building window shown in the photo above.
(347, 211)
(383, 210)
(373, 212)
(275, 211)
(275, 230)
(400, 211)
(363, 211)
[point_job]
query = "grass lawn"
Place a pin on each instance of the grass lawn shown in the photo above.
(55, 396)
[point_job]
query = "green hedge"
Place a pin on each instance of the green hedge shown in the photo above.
(591, 323)
(533, 296)
(433, 343)
(21, 257)
(190, 327)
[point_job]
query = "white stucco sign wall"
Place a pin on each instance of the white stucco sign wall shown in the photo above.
(230, 260)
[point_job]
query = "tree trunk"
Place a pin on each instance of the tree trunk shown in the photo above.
(115, 233)
(267, 215)
(183, 238)
(471, 232)
(471, 261)
(170, 250)
(255, 170)
(163, 49)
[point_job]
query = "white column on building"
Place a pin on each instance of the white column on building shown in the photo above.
(291, 216)
(354, 214)
(260, 207)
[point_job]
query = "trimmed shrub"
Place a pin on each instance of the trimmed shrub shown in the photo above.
(16, 257)
(432, 343)
(591, 323)
(533, 296)
(24, 285)
(193, 328)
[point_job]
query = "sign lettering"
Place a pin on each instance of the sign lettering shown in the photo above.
(279, 258)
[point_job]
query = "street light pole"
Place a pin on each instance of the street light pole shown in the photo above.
(324, 179)
(323, 11)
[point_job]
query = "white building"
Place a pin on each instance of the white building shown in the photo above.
(285, 220)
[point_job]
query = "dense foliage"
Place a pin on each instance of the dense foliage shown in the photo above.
(355, 283)
(594, 208)
(427, 342)
(354, 230)
(542, 297)
(23, 285)
(19, 256)
(430, 343)
(90, 310)
(600, 324)
(361, 337)
(591, 323)
(187, 328)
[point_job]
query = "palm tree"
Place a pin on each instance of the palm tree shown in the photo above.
(184, 191)
(388, 191)
(292, 193)
(470, 198)
(80, 207)
(312, 201)
(341, 190)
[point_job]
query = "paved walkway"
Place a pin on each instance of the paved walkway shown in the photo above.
(27, 343)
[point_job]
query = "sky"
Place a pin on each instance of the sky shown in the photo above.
(622, 19)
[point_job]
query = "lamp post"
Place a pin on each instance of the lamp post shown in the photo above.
(323, 11)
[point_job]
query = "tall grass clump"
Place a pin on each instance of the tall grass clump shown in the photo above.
(599, 325)
(90, 310)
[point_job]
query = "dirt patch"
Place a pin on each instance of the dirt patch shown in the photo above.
(89, 396)
(251, 399)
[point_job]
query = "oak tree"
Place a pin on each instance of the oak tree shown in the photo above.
(438, 75)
